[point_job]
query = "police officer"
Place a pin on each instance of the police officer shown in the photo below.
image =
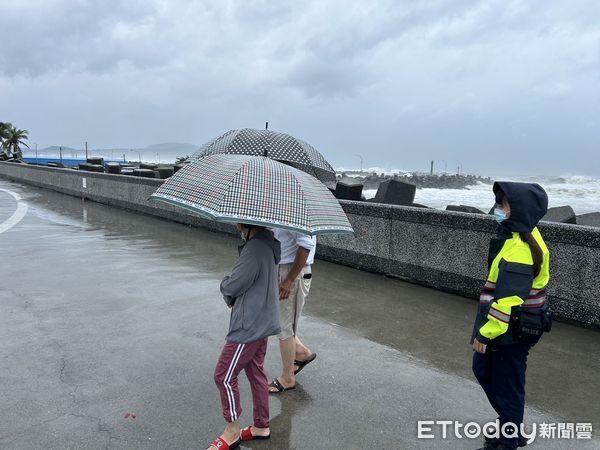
(518, 263)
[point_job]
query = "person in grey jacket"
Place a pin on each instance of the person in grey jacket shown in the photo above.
(252, 293)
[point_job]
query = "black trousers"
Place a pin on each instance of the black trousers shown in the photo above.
(501, 373)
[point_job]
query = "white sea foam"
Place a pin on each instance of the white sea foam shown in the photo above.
(371, 170)
(582, 193)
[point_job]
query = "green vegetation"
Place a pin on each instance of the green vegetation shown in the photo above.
(11, 140)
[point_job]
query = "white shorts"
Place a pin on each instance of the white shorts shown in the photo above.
(290, 309)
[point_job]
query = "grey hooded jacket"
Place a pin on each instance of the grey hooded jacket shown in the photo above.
(252, 290)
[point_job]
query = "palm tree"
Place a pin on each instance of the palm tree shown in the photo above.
(4, 127)
(12, 139)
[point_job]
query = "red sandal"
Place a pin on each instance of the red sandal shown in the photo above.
(221, 444)
(246, 435)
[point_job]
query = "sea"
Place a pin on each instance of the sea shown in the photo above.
(580, 192)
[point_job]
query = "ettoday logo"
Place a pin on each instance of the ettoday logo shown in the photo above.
(432, 429)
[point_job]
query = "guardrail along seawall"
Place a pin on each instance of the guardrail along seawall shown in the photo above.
(440, 249)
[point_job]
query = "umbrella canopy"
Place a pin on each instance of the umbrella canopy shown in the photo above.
(255, 190)
(279, 146)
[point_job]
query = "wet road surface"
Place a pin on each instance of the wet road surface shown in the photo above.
(105, 312)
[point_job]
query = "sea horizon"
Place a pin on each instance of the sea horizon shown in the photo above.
(580, 191)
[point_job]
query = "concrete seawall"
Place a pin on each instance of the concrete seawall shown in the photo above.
(440, 249)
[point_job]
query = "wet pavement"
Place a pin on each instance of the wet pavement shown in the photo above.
(105, 312)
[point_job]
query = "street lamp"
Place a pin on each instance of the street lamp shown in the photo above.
(361, 161)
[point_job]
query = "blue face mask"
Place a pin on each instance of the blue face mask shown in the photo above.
(500, 215)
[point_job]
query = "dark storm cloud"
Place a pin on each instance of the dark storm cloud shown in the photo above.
(44, 36)
(443, 78)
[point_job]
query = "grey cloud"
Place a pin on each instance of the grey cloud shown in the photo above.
(263, 14)
(71, 36)
(323, 80)
(433, 74)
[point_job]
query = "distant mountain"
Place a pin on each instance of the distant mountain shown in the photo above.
(168, 147)
(54, 149)
(165, 152)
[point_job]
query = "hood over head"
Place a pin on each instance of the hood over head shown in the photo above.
(528, 204)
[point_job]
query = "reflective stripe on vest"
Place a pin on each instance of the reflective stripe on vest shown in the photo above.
(502, 317)
(536, 298)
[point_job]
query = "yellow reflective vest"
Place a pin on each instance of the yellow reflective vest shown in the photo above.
(510, 283)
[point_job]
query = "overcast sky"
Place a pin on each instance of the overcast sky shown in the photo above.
(500, 87)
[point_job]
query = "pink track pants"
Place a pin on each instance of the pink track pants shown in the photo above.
(249, 357)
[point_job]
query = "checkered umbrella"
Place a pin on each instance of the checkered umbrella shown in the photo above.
(255, 190)
(279, 146)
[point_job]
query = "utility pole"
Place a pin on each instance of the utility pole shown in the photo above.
(361, 162)
(431, 170)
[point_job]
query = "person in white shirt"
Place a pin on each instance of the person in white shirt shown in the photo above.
(295, 275)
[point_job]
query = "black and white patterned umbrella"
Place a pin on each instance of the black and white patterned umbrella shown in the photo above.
(279, 146)
(255, 190)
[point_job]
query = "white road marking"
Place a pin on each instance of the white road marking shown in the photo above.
(17, 215)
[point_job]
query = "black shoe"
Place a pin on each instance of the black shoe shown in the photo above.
(490, 443)
(493, 444)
